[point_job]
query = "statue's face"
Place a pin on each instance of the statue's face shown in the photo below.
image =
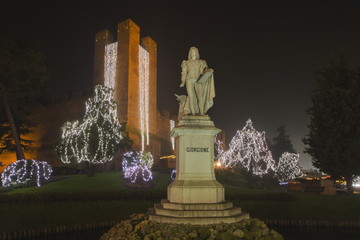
(193, 53)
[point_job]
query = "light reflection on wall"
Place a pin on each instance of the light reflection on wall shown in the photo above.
(144, 95)
(110, 65)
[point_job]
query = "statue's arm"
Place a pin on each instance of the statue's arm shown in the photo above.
(183, 73)
(203, 66)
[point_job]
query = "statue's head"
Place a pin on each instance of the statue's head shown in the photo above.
(194, 53)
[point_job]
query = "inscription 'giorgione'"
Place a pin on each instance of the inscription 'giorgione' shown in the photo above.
(197, 149)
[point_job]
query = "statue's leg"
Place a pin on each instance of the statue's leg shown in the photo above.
(191, 95)
(199, 94)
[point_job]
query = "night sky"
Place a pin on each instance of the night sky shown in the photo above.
(263, 53)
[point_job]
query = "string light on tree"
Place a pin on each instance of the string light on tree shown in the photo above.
(288, 167)
(173, 174)
(219, 147)
(137, 166)
(248, 149)
(356, 181)
(26, 173)
(96, 138)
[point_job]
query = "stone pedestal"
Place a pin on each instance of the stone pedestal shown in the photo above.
(196, 213)
(195, 196)
(195, 178)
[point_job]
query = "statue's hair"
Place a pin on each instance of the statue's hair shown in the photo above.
(196, 53)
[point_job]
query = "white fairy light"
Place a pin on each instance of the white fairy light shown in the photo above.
(248, 149)
(173, 174)
(172, 125)
(137, 166)
(97, 137)
(219, 147)
(110, 64)
(24, 172)
(356, 181)
(144, 95)
(288, 167)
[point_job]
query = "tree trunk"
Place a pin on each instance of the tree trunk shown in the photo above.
(349, 186)
(90, 169)
(16, 136)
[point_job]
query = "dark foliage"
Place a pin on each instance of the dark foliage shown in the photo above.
(334, 138)
(280, 144)
(23, 74)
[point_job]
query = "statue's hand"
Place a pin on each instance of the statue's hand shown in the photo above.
(182, 84)
(208, 70)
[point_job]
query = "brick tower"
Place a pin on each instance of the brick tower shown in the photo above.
(129, 65)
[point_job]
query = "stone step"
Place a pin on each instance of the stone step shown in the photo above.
(196, 220)
(161, 210)
(196, 206)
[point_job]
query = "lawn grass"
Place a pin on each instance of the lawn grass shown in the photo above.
(29, 216)
(103, 181)
(33, 215)
(306, 207)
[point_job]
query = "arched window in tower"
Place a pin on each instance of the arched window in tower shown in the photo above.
(144, 95)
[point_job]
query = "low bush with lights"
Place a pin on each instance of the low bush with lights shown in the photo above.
(26, 173)
(137, 166)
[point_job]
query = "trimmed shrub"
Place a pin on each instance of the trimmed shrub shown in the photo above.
(140, 227)
(137, 166)
(24, 173)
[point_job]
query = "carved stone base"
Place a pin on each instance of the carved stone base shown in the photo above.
(195, 197)
(205, 213)
(191, 191)
(195, 179)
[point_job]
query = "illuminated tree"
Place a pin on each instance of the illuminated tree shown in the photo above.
(97, 137)
(334, 138)
(288, 167)
(26, 173)
(248, 150)
(137, 166)
(219, 148)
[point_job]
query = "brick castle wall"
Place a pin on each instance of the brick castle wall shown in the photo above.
(127, 90)
(126, 94)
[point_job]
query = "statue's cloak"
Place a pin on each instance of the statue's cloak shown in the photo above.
(208, 89)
